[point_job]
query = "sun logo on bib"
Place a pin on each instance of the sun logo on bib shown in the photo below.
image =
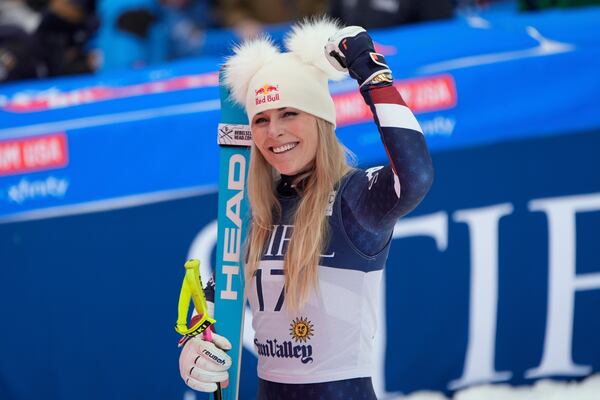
(301, 329)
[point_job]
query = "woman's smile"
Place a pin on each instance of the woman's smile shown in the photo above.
(287, 138)
(284, 148)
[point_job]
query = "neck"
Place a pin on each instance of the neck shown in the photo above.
(294, 184)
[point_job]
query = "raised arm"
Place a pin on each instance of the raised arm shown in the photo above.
(374, 200)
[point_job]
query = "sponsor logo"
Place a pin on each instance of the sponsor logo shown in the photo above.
(373, 175)
(225, 133)
(33, 154)
(36, 101)
(286, 349)
(231, 234)
(213, 357)
(234, 135)
(330, 203)
(31, 190)
(301, 330)
(438, 126)
(421, 95)
(266, 94)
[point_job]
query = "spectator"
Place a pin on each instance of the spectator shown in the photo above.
(532, 5)
(247, 17)
(187, 22)
(132, 34)
(18, 13)
(20, 57)
(63, 34)
(138, 33)
(385, 13)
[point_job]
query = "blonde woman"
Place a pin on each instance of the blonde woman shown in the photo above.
(320, 230)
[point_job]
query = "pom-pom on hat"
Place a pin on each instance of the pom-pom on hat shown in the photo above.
(261, 78)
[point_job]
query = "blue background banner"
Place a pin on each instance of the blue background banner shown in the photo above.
(511, 77)
(92, 245)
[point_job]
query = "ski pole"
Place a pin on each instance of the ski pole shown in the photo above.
(191, 289)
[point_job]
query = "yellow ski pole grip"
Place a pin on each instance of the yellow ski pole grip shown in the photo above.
(191, 289)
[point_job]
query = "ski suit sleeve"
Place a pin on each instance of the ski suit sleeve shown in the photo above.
(373, 200)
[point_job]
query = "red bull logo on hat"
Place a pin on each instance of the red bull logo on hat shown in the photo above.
(266, 94)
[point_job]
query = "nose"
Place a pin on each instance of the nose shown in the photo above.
(275, 129)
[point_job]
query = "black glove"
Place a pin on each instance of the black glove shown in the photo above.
(351, 49)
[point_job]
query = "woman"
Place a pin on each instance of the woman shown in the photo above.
(320, 230)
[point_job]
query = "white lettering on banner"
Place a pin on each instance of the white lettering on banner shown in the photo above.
(42, 152)
(435, 93)
(232, 236)
(35, 153)
(10, 157)
(432, 225)
(438, 126)
(483, 226)
(563, 283)
(483, 303)
(31, 190)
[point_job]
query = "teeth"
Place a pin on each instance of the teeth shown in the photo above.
(283, 148)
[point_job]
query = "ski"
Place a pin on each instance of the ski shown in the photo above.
(234, 138)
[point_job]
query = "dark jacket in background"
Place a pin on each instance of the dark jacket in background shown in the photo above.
(386, 13)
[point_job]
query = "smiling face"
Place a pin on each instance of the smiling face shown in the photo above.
(287, 138)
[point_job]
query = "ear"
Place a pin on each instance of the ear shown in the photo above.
(248, 59)
(307, 41)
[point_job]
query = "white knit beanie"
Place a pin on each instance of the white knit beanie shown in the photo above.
(261, 78)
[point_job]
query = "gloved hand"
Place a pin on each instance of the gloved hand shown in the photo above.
(351, 49)
(203, 363)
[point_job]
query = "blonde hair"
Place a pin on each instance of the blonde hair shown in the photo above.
(310, 234)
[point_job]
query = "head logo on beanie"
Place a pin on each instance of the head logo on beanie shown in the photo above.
(266, 94)
(261, 77)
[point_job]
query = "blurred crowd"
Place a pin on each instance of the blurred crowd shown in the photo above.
(45, 38)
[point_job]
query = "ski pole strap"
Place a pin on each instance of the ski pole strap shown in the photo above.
(191, 289)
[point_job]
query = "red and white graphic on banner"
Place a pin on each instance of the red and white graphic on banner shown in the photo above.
(53, 99)
(33, 154)
(421, 95)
